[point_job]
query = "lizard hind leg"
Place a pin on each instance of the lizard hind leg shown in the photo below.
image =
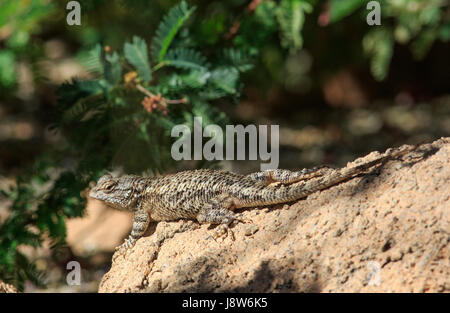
(219, 211)
(286, 176)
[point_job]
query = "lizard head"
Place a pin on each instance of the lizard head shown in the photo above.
(118, 192)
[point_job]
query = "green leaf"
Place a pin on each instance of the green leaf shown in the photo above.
(379, 45)
(113, 68)
(423, 43)
(168, 28)
(444, 32)
(291, 17)
(185, 58)
(195, 79)
(92, 59)
(90, 87)
(136, 54)
(265, 14)
(7, 68)
(18, 40)
(237, 58)
(342, 8)
(225, 79)
(70, 94)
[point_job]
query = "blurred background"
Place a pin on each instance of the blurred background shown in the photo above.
(338, 87)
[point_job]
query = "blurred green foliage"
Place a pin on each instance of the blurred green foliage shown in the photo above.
(19, 20)
(140, 86)
(413, 22)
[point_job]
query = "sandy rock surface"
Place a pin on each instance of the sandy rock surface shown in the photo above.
(7, 288)
(385, 231)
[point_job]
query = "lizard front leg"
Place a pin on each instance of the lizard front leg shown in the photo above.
(219, 211)
(140, 223)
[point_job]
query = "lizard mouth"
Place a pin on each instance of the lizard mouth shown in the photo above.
(106, 199)
(93, 193)
(97, 194)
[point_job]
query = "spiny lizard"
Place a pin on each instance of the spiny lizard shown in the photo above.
(210, 196)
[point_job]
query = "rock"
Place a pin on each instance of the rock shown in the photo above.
(7, 288)
(386, 231)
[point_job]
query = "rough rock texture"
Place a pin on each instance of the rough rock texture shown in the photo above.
(386, 231)
(7, 288)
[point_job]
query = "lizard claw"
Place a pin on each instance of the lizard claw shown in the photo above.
(243, 221)
(119, 251)
(123, 249)
(223, 231)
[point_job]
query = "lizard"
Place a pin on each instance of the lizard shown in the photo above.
(210, 196)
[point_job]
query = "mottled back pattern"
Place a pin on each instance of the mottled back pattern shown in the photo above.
(210, 196)
(172, 196)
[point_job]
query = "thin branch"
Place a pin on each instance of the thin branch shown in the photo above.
(151, 95)
(183, 100)
(144, 91)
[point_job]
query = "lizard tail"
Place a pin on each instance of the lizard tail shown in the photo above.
(279, 193)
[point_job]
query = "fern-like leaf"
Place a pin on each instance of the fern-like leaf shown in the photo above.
(113, 68)
(136, 54)
(92, 59)
(185, 58)
(195, 79)
(168, 29)
(291, 17)
(223, 81)
(71, 94)
(379, 45)
(237, 58)
(340, 9)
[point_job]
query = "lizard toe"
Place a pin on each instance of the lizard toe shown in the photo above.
(224, 231)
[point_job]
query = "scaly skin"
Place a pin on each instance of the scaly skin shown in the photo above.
(210, 196)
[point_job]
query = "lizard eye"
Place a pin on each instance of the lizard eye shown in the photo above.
(109, 186)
